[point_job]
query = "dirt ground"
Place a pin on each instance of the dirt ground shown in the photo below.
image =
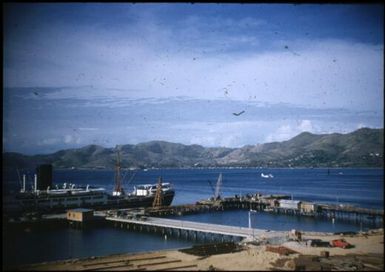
(366, 254)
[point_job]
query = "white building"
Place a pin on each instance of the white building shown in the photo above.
(289, 204)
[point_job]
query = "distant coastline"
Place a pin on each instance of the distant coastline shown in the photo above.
(362, 148)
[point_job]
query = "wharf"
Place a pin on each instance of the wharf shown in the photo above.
(183, 209)
(262, 203)
(271, 204)
(50, 221)
(352, 209)
(192, 229)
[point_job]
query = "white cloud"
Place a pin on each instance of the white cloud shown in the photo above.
(284, 132)
(288, 131)
(325, 73)
(226, 134)
(305, 125)
(70, 139)
(48, 141)
(109, 71)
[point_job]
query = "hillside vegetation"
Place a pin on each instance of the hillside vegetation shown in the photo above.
(361, 148)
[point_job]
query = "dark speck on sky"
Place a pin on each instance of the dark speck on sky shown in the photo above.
(100, 67)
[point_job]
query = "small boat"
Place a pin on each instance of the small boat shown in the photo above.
(266, 176)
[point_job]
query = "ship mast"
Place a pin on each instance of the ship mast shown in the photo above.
(158, 195)
(118, 186)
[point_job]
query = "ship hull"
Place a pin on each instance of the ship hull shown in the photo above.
(139, 201)
(58, 204)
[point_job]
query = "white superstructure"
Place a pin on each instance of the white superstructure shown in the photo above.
(149, 189)
(68, 196)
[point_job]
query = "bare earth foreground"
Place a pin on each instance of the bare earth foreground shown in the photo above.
(367, 254)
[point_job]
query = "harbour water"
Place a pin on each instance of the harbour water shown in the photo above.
(359, 187)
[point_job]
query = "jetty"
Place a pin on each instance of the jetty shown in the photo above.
(193, 230)
(277, 204)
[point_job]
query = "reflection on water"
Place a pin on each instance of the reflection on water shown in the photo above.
(360, 187)
(65, 243)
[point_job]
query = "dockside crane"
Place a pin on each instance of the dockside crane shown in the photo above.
(217, 194)
(158, 199)
(211, 186)
(217, 190)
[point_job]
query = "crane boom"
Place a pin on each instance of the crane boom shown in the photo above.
(218, 187)
(212, 187)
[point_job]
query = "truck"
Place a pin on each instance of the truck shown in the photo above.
(340, 243)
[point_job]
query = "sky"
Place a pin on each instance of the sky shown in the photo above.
(76, 74)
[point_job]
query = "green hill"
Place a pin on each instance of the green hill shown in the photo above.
(361, 148)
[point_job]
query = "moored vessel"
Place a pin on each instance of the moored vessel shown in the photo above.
(41, 198)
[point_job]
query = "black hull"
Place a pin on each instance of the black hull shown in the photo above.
(139, 201)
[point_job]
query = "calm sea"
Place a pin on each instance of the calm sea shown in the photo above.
(359, 187)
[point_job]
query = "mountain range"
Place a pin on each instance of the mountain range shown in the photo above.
(361, 148)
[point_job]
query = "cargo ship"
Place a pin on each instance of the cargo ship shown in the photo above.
(67, 196)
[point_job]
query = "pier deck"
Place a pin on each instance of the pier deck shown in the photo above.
(199, 227)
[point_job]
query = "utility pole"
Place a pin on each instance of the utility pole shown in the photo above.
(250, 211)
(249, 219)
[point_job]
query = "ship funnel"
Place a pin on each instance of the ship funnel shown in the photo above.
(23, 189)
(44, 176)
(35, 187)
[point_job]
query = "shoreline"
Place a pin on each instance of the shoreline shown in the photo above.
(367, 253)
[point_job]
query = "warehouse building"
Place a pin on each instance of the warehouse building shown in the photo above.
(309, 207)
(80, 215)
(290, 204)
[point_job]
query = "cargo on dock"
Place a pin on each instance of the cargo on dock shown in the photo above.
(212, 249)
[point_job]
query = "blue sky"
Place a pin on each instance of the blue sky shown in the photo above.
(108, 74)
